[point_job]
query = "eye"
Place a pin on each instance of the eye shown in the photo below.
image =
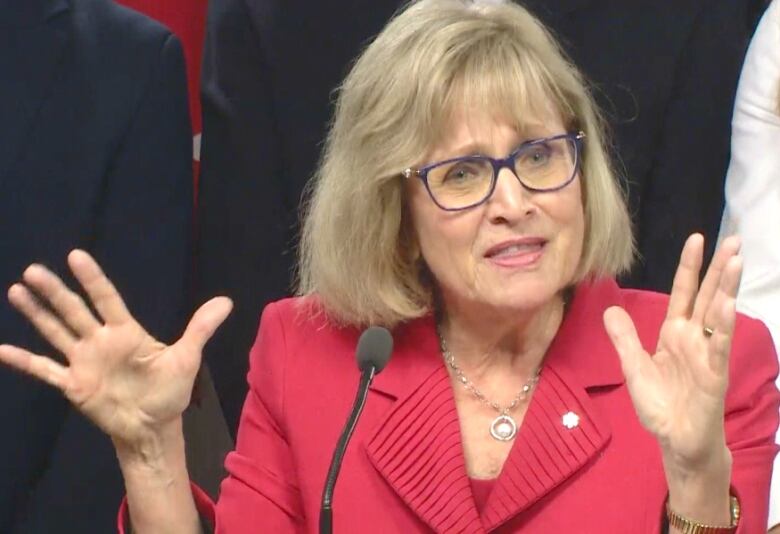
(537, 155)
(463, 171)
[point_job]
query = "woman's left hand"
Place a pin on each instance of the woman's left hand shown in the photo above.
(679, 391)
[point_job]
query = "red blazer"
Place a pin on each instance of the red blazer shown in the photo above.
(404, 469)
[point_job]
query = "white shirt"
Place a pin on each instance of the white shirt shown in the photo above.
(753, 189)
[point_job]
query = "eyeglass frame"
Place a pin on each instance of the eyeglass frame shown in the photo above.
(498, 164)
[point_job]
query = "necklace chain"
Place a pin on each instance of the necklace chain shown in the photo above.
(469, 385)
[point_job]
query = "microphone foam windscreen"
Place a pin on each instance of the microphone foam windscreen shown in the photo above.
(374, 348)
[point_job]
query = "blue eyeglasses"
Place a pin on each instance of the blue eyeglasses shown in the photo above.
(541, 165)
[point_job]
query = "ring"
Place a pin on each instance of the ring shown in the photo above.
(708, 331)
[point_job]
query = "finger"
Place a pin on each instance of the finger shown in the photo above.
(42, 319)
(205, 322)
(68, 305)
(40, 367)
(686, 279)
(622, 332)
(726, 293)
(720, 341)
(712, 280)
(104, 296)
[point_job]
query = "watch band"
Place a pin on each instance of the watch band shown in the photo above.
(688, 526)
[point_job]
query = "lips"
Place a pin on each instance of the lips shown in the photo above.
(517, 252)
(516, 246)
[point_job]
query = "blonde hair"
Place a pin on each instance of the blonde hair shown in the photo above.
(357, 250)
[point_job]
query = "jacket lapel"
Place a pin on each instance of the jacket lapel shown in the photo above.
(562, 431)
(32, 44)
(417, 447)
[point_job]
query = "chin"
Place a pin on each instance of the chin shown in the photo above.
(524, 297)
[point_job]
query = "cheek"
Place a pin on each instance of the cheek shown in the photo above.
(446, 239)
(446, 245)
(565, 214)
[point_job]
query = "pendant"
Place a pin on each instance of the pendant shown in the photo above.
(503, 428)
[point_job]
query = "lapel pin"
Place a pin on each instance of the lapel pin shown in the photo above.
(570, 420)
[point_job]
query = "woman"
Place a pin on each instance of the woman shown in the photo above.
(465, 201)
(267, 103)
(753, 189)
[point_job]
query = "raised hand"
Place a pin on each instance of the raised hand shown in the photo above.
(128, 383)
(679, 391)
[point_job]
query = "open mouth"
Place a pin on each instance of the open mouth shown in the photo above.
(520, 252)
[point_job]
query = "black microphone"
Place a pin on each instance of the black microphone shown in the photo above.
(373, 352)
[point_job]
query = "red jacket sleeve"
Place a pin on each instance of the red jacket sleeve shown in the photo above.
(203, 503)
(261, 491)
(752, 413)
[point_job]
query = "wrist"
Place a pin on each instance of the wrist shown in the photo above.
(159, 496)
(701, 491)
(159, 454)
(681, 524)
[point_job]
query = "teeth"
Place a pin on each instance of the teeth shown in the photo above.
(519, 248)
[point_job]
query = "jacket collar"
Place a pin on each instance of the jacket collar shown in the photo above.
(417, 352)
(582, 346)
(417, 447)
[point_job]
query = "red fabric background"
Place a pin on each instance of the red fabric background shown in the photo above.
(187, 19)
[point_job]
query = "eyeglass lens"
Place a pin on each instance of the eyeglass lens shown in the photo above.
(467, 181)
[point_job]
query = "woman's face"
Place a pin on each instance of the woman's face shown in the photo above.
(516, 251)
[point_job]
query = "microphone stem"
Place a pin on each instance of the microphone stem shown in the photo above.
(326, 510)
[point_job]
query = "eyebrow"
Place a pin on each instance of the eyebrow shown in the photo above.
(468, 149)
(479, 149)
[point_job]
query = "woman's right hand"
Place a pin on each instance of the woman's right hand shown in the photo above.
(128, 383)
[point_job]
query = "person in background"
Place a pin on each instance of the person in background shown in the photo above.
(208, 438)
(752, 208)
(265, 99)
(95, 152)
(665, 72)
(187, 20)
(475, 213)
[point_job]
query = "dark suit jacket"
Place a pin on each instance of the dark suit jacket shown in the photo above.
(95, 152)
(404, 469)
(665, 73)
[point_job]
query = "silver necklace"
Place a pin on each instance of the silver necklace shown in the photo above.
(503, 427)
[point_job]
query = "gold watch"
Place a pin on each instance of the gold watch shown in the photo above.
(688, 526)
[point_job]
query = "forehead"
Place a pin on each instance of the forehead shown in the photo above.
(498, 79)
(469, 129)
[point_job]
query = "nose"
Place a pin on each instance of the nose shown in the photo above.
(510, 201)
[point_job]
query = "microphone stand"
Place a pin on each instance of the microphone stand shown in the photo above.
(326, 509)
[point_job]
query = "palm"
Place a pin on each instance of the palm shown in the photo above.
(678, 392)
(122, 376)
(118, 375)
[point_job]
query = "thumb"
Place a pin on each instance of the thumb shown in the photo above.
(622, 332)
(205, 322)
